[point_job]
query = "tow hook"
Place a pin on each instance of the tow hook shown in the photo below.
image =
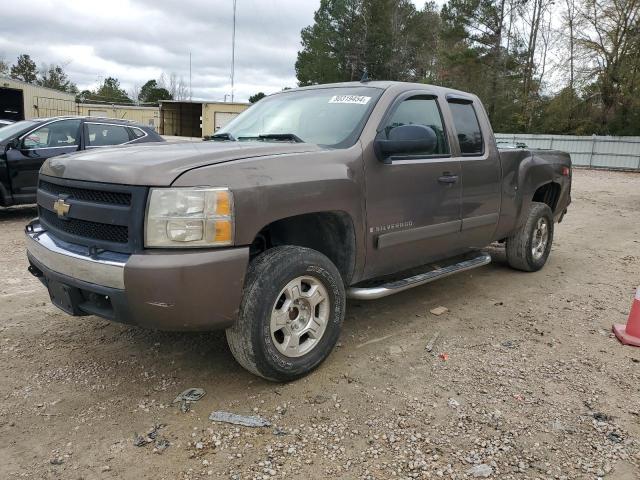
(34, 271)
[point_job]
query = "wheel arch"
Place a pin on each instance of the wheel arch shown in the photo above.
(549, 194)
(331, 233)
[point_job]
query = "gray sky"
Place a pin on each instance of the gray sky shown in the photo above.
(136, 40)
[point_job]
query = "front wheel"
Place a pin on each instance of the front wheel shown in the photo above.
(529, 246)
(291, 313)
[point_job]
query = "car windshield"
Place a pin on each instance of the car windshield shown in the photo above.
(10, 131)
(325, 116)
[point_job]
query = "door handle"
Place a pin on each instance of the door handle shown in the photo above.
(448, 178)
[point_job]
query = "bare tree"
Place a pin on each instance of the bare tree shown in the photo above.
(182, 91)
(162, 81)
(176, 87)
(134, 93)
(612, 42)
(532, 15)
(570, 20)
(4, 66)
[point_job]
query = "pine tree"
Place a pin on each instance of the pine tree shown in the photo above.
(25, 69)
(55, 77)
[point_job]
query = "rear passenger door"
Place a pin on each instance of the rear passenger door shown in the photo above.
(99, 134)
(481, 171)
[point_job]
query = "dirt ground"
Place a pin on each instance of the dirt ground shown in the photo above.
(532, 386)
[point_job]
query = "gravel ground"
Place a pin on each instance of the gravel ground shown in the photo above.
(524, 382)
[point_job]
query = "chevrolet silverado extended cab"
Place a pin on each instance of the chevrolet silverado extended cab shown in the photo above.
(310, 197)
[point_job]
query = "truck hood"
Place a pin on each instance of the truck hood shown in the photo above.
(159, 164)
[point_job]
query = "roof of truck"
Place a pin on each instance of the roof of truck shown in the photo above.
(384, 85)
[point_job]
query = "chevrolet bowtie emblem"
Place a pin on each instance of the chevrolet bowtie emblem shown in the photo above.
(61, 207)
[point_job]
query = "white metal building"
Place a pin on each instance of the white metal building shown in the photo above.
(21, 101)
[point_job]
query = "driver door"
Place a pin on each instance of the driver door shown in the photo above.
(46, 141)
(413, 202)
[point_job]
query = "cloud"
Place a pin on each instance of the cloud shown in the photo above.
(136, 40)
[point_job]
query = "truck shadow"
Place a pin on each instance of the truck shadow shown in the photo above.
(204, 359)
(25, 213)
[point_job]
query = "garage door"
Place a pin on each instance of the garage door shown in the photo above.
(11, 104)
(222, 118)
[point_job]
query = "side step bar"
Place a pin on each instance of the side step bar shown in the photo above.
(395, 286)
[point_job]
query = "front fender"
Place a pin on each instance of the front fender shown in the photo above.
(267, 189)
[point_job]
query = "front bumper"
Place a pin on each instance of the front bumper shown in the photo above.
(165, 290)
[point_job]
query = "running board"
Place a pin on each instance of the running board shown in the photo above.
(396, 286)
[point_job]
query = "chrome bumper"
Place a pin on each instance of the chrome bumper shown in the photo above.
(105, 269)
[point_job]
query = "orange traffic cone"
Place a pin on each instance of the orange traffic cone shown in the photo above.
(630, 334)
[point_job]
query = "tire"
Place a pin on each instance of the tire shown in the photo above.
(270, 291)
(524, 250)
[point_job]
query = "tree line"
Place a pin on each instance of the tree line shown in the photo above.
(109, 91)
(540, 66)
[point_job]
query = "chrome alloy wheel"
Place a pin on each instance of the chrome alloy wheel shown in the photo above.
(540, 238)
(299, 316)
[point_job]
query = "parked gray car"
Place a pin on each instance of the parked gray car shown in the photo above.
(25, 145)
(309, 197)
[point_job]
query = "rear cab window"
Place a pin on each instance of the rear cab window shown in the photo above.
(465, 121)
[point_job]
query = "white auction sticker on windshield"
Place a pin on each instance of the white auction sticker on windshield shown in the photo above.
(357, 99)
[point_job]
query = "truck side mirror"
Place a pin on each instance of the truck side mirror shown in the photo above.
(406, 139)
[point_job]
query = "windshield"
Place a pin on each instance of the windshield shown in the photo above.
(324, 116)
(12, 130)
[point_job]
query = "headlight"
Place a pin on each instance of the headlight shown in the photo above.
(189, 217)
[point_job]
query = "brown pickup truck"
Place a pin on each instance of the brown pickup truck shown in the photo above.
(312, 196)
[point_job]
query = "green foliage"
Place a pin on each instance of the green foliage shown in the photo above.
(330, 46)
(24, 69)
(493, 48)
(257, 97)
(55, 77)
(109, 92)
(151, 92)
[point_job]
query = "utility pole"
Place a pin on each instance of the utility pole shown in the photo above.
(233, 49)
(190, 90)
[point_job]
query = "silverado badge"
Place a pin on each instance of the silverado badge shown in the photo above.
(61, 207)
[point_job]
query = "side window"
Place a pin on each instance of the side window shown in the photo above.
(137, 132)
(467, 128)
(421, 111)
(103, 135)
(57, 134)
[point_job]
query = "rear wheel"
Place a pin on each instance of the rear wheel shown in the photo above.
(529, 246)
(291, 313)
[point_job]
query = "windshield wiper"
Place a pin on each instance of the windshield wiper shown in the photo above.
(218, 137)
(278, 137)
(281, 136)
